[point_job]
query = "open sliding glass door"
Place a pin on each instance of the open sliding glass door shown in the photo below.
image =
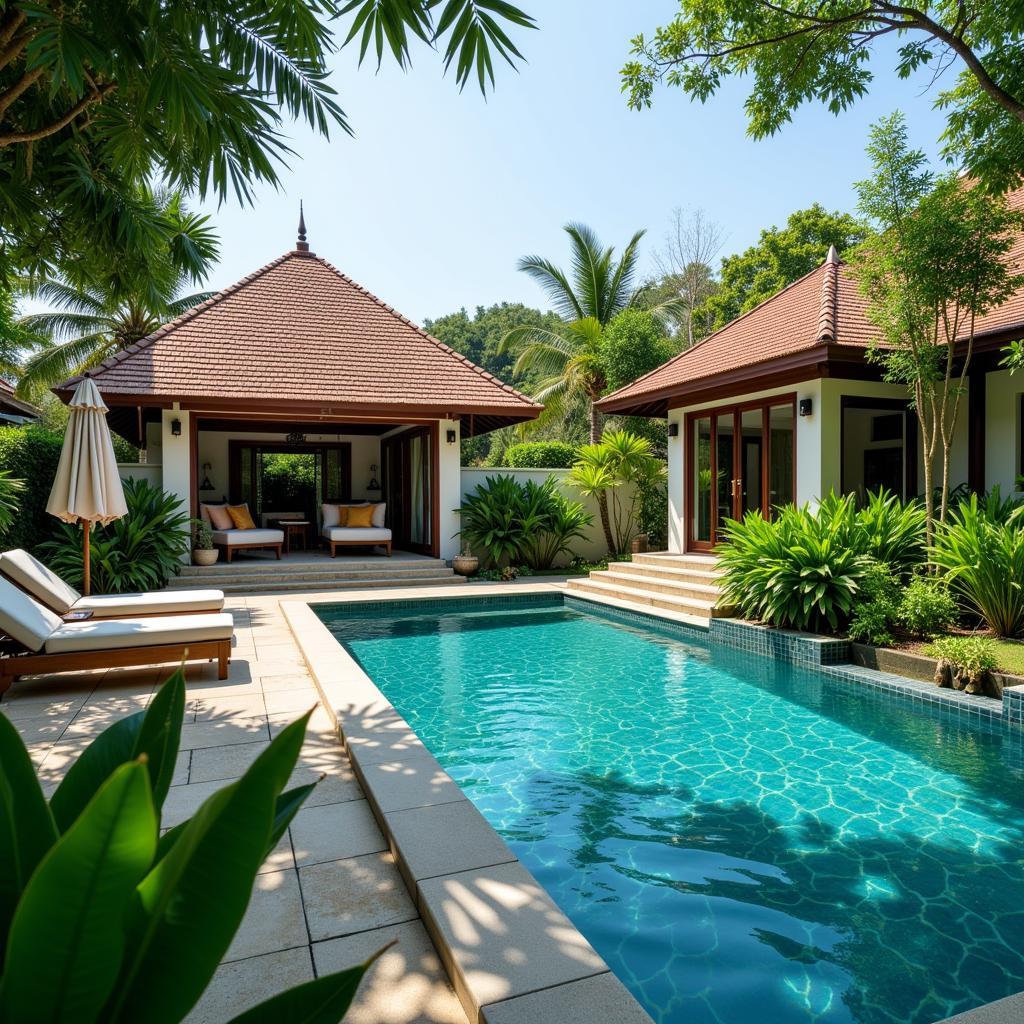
(409, 488)
(739, 459)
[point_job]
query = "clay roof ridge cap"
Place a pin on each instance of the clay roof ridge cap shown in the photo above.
(829, 312)
(429, 337)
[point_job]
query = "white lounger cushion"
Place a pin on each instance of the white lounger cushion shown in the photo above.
(160, 602)
(357, 533)
(115, 634)
(231, 537)
(24, 619)
(46, 586)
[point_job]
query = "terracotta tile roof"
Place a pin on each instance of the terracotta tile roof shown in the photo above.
(817, 316)
(10, 404)
(298, 330)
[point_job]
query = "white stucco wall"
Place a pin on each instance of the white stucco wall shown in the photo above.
(1003, 392)
(449, 487)
(174, 455)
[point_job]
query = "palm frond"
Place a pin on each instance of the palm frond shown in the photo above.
(56, 363)
(621, 288)
(61, 325)
(555, 284)
(590, 270)
(60, 293)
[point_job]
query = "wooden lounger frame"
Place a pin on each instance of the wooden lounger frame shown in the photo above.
(335, 544)
(230, 549)
(17, 665)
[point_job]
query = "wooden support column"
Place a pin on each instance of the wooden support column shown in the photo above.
(976, 429)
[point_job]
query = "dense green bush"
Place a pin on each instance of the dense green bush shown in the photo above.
(877, 607)
(983, 559)
(965, 663)
(921, 608)
(893, 533)
(505, 522)
(11, 490)
(30, 454)
(926, 606)
(140, 551)
(103, 918)
(540, 455)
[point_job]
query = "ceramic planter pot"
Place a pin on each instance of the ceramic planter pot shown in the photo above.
(465, 565)
(207, 557)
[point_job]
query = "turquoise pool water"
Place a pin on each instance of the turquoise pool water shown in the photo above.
(743, 842)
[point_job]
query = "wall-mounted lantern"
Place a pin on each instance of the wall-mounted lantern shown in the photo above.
(806, 406)
(673, 430)
(451, 436)
(176, 428)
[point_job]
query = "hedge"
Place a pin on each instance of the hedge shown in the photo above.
(30, 454)
(540, 455)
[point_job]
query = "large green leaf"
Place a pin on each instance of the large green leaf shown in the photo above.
(27, 830)
(323, 1001)
(67, 937)
(155, 732)
(190, 904)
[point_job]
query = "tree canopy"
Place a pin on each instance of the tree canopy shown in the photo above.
(780, 257)
(99, 99)
(798, 51)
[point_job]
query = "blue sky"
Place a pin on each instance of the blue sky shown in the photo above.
(438, 194)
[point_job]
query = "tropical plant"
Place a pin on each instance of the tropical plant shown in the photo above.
(965, 663)
(937, 262)
(893, 532)
(877, 606)
(10, 491)
(140, 551)
(31, 454)
(491, 521)
(550, 523)
(540, 455)
(796, 51)
(202, 535)
(803, 569)
(101, 98)
(117, 305)
(926, 606)
(103, 918)
(983, 562)
(620, 462)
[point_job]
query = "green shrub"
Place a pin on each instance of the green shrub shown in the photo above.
(540, 455)
(11, 491)
(877, 606)
(893, 533)
(30, 454)
(509, 522)
(140, 551)
(801, 570)
(984, 564)
(965, 663)
(926, 607)
(105, 919)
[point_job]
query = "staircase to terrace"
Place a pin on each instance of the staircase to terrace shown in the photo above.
(687, 585)
(315, 571)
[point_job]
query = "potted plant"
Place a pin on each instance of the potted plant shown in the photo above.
(466, 563)
(203, 551)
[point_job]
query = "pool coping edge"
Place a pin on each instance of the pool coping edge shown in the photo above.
(377, 738)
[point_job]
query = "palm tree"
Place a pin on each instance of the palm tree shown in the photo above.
(105, 309)
(568, 359)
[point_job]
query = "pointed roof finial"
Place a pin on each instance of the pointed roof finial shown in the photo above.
(302, 245)
(833, 256)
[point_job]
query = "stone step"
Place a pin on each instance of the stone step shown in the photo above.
(685, 605)
(277, 586)
(706, 563)
(654, 584)
(670, 615)
(671, 572)
(325, 565)
(364, 577)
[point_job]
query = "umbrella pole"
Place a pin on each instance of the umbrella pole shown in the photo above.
(86, 570)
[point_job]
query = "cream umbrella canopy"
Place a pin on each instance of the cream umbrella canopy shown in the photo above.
(87, 488)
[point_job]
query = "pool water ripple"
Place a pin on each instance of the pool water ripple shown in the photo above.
(742, 841)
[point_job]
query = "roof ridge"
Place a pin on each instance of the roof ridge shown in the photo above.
(429, 337)
(828, 315)
(713, 334)
(143, 343)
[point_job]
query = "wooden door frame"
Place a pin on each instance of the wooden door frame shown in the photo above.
(712, 413)
(910, 452)
(432, 497)
(319, 448)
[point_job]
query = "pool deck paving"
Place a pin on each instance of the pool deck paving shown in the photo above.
(336, 889)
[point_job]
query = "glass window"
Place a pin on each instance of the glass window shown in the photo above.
(752, 435)
(701, 463)
(724, 449)
(781, 489)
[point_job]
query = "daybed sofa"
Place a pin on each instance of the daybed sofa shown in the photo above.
(231, 537)
(368, 529)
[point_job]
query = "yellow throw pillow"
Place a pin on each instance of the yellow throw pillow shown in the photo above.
(240, 517)
(360, 515)
(343, 515)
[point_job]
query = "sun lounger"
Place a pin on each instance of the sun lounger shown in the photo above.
(45, 644)
(49, 589)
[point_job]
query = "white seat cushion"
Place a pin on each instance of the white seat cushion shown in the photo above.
(25, 619)
(115, 634)
(357, 533)
(161, 602)
(30, 574)
(231, 537)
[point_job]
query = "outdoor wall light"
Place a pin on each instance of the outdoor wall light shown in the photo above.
(374, 484)
(806, 406)
(176, 428)
(673, 430)
(451, 436)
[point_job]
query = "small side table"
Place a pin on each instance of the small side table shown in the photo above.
(296, 527)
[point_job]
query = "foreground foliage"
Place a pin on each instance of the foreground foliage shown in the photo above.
(30, 454)
(104, 919)
(140, 551)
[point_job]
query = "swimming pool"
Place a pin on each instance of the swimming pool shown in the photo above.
(742, 841)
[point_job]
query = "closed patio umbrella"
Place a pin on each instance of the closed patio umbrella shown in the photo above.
(87, 488)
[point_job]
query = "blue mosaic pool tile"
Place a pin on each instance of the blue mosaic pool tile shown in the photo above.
(795, 648)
